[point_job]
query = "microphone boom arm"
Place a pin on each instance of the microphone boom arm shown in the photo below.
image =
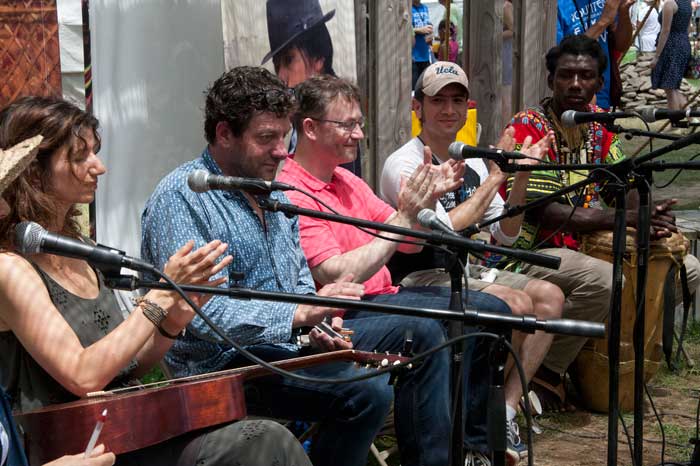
(432, 237)
(525, 323)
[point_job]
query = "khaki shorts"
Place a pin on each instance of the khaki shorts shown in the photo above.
(438, 277)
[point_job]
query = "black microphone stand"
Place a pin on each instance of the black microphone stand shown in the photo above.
(525, 323)
(457, 259)
(497, 355)
(631, 132)
(460, 247)
(641, 168)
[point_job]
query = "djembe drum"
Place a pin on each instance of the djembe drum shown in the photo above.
(591, 366)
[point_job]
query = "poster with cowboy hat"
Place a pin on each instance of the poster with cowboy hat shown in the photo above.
(295, 38)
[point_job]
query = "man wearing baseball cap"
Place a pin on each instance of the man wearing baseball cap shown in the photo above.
(440, 102)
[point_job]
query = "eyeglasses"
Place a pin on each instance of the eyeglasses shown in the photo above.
(348, 126)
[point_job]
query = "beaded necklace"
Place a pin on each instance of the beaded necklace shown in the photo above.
(581, 145)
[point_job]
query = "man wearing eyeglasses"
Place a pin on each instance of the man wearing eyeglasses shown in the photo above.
(329, 123)
(246, 120)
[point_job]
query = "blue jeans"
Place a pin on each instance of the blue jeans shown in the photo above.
(476, 350)
(416, 69)
(352, 414)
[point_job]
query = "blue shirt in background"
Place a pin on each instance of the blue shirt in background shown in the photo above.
(11, 453)
(420, 18)
(269, 255)
(572, 22)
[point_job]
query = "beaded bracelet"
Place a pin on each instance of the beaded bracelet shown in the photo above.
(156, 315)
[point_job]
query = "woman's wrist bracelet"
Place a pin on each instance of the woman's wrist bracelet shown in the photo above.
(156, 314)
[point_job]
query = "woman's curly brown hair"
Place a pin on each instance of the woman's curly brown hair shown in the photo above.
(60, 124)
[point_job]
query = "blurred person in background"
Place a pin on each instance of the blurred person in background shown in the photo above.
(672, 52)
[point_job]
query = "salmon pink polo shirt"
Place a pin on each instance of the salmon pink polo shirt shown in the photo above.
(349, 195)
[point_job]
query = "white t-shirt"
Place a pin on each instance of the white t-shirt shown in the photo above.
(405, 160)
(646, 39)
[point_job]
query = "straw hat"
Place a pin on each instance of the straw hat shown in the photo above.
(14, 160)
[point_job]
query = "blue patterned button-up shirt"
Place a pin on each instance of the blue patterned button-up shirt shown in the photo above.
(269, 254)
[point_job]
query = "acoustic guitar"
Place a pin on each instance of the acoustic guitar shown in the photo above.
(149, 414)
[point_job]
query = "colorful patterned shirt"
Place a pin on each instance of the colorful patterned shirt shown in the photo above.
(603, 148)
(268, 253)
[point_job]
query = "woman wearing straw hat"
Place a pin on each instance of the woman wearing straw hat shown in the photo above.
(12, 163)
(62, 333)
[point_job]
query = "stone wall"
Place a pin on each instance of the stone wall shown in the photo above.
(636, 85)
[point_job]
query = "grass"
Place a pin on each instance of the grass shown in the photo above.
(154, 375)
(686, 186)
(630, 56)
(676, 437)
(692, 335)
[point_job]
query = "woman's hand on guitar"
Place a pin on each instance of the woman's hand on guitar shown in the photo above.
(191, 267)
(97, 458)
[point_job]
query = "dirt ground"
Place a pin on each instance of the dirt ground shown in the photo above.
(685, 187)
(580, 439)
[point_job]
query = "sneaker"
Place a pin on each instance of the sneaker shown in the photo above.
(535, 403)
(474, 458)
(515, 449)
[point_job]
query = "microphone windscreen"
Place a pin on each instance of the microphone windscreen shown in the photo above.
(197, 181)
(28, 236)
(648, 114)
(425, 218)
(455, 150)
(568, 118)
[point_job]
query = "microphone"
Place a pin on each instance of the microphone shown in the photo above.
(652, 114)
(427, 218)
(200, 181)
(32, 238)
(572, 118)
(461, 150)
(579, 328)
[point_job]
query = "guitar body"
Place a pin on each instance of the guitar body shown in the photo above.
(135, 420)
(145, 417)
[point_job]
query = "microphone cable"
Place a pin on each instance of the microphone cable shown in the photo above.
(579, 193)
(415, 359)
(370, 232)
(303, 378)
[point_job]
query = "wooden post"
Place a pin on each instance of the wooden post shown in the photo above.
(485, 41)
(389, 82)
(362, 57)
(466, 15)
(535, 34)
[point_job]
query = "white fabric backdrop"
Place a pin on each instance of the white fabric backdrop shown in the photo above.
(151, 62)
(70, 38)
